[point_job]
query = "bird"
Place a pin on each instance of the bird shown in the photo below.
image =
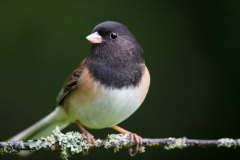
(106, 88)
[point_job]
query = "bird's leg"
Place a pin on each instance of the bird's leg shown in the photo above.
(138, 139)
(89, 136)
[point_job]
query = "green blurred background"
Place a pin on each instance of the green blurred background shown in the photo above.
(191, 49)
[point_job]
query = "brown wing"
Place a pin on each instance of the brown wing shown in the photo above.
(71, 83)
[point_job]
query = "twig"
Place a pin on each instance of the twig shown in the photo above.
(70, 143)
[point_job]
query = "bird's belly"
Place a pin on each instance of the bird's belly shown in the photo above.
(106, 109)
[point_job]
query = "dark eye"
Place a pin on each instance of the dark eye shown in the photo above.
(113, 35)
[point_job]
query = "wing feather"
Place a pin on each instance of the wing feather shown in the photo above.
(71, 82)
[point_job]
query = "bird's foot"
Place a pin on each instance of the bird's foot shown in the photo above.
(90, 139)
(138, 143)
(89, 136)
(137, 138)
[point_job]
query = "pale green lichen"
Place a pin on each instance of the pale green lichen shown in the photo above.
(152, 144)
(4, 149)
(179, 143)
(69, 143)
(141, 149)
(19, 146)
(238, 142)
(12, 147)
(97, 143)
(227, 142)
(117, 141)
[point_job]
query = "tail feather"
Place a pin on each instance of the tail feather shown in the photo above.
(45, 126)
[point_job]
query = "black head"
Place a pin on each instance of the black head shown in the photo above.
(115, 40)
(115, 58)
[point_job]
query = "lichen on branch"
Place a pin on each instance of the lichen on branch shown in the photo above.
(70, 143)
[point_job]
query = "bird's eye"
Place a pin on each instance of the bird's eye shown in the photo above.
(113, 35)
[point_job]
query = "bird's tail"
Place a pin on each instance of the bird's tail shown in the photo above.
(45, 126)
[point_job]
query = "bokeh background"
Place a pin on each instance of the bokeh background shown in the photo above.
(191, 49)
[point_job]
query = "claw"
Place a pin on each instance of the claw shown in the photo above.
(89, 136)
(138, 143)
(90, 139)
(138, 140)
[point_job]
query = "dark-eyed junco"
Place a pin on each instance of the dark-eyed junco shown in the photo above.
(106, 88)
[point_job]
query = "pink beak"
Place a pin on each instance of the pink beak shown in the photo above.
(94, 38)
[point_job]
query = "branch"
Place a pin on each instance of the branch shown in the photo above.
(70, 143)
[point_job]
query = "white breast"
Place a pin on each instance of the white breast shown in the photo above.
(108, 109)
